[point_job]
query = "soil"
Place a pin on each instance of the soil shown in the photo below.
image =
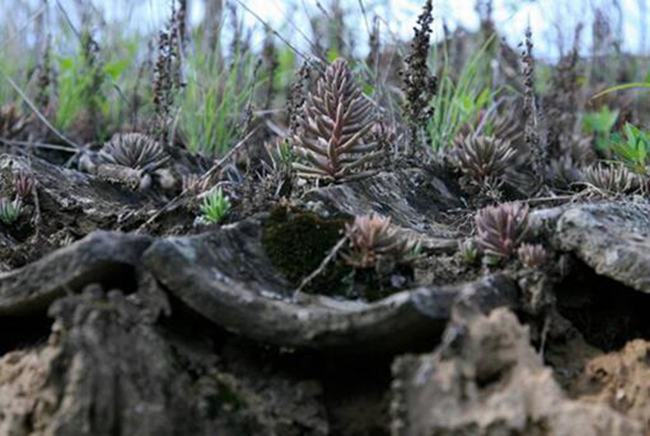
(124, 320)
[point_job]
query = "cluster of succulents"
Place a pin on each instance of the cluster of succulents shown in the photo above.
(134, 150)
(372, 238)
(334, 140)
(501, 230)
(483, 157)
(215, 206)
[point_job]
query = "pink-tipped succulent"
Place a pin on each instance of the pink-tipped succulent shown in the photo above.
(23, 184)
(335, 130)
(483, 157)
(373, 237)
(532, 256)
(501, 229)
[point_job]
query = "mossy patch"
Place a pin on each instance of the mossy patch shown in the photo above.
(297, 243)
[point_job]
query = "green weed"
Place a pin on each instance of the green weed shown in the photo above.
(82, 86)
(215, 98)
(600, 125)
(632, 149)
(459, 100)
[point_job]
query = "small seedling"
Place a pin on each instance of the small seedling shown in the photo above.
(9, 211)
(468, 251)
(281, 154)
(215, 207)
(284, 153)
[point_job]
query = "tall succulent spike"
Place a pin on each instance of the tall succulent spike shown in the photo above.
(334, 141)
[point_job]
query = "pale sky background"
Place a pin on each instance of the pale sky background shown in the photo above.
(551, 20)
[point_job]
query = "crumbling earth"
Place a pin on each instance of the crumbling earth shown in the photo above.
(180, 330)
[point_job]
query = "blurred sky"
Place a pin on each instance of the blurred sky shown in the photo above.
(552, 21)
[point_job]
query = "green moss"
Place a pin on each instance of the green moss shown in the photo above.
(298, 242)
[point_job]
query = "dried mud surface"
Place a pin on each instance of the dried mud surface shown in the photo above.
(181, 329)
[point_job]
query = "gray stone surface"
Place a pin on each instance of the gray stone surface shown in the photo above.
(109, 257)
(78, 201)
(411, 198)
(612, 238)
(226, 277)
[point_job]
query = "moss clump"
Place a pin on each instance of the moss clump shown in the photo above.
(298, 242)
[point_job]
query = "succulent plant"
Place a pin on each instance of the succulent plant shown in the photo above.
(501, 229)
(334, 139)
(194, 184)
(468, 251)
(506, 126)
(9, 210)
(215, 206)
(372, 237)
(563, 172)
(23, 184)
(612, 179)
(134, 150)
(483, 157)
(581, 150)
(532, 256)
